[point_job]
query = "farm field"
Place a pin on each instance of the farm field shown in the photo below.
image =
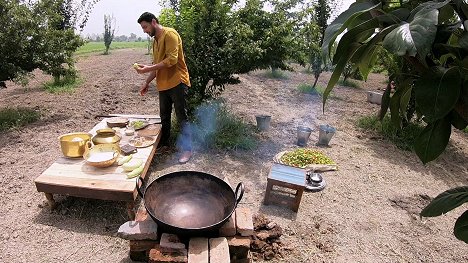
(95, 47)
(369, 211)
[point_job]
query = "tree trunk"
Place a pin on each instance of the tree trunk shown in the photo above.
(315, 81)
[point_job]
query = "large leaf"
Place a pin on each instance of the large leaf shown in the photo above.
(457, 121)
(437, 92)
(405, 99)
(415, 37)
(427, 6)
(433, 140)
(463, 40)
(446, 201)
(385, 101)
(460, 230)
(395, 109)
(341, 22)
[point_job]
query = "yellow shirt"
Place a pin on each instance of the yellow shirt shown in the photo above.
(168, 49)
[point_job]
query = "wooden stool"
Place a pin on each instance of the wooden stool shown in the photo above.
(285, 177)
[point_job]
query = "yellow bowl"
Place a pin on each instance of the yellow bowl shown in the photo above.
(74, 144)
(101, 155)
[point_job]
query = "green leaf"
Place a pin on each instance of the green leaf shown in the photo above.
(427, 7)
(341, 22)
(437, 92)
(415, 37)
(395, 109)
(463, 40)
(460, 230)
(445, 13)
(357, 34)
(404, 101)
(433, 140)
(385, 101)
(446, 202)
(457, 121)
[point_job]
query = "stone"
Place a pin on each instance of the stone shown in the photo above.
(138, 230)
(219, 250)
(198, 250)
(271, 225)
(244, 222)
(167, 255)
(229, 228)
(239, 246)
(170, 241)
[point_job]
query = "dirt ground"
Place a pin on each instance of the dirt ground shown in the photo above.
(367, 213)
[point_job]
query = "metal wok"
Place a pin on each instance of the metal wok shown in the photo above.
(190, 203)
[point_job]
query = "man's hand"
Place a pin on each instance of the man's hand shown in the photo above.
(144, 89)
(141, 69)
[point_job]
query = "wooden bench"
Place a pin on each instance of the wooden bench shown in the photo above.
(73, 177)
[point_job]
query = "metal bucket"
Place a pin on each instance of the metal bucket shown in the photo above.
(263, 122)
(303, 134)
(326, 132)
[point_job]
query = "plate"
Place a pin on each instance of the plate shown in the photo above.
(139, 124)
(142, 141)
(309, 167)
(117, 122)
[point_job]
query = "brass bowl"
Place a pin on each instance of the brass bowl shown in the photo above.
(106, 136)
(74, 144)
(101, 155)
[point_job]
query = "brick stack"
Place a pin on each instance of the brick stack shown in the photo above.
(232, 245)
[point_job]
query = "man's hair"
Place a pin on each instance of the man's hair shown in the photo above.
(147, 17)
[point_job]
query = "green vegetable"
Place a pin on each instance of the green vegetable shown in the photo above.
(138, 124)
(125, 159)
(303, 157)
(135, 172)
(132, 165)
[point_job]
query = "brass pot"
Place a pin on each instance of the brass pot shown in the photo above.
(101, 155)
(74, 144)
(105, 136)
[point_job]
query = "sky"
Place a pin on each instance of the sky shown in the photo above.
(126, 13)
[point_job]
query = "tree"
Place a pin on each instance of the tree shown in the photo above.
(109, 28)
(432, 38)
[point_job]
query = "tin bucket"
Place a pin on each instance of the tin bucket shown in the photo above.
(263, 122)
(303, 134)
(326, 132)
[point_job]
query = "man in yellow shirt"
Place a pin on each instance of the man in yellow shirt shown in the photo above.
(172, 80)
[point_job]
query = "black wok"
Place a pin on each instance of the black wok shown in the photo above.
(190, 203)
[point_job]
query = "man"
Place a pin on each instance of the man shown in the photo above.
(172, 80)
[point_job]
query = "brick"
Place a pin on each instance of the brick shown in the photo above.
(134, 230)
(244, 222)
(239, 246)
(142, 245)
(219, 250)
(198, 250)
(170, 241)
(167, 255)
(229, 228)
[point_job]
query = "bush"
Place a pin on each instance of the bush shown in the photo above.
(64, 85)
(403, 138)
(16, 117)
(276, 74)
(349, 83)
(217, 128)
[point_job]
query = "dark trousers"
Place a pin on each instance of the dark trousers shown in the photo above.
(177, 97)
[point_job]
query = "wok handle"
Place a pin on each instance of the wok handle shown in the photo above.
(241, 194)
(140, 192)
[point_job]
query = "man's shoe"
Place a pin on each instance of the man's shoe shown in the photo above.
(185, 157)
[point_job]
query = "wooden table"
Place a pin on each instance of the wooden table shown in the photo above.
(73, 177)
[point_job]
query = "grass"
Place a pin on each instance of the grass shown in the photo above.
(94, 47)
(466, 130)
(11, 118)
(349, 83)
(276, 74)
(309, 89)
(66, 85)
(403, 138)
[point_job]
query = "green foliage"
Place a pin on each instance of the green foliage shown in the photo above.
(215, 127)
(109, 29)
(94, 47)
(402, 138)
(276, 74)
(65, 85)
(446, 202)
(349, 83)
(38, 35)
(310, 89)
(11, 118)
(432, 75)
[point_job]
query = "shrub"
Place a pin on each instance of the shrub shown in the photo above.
(16, 117)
